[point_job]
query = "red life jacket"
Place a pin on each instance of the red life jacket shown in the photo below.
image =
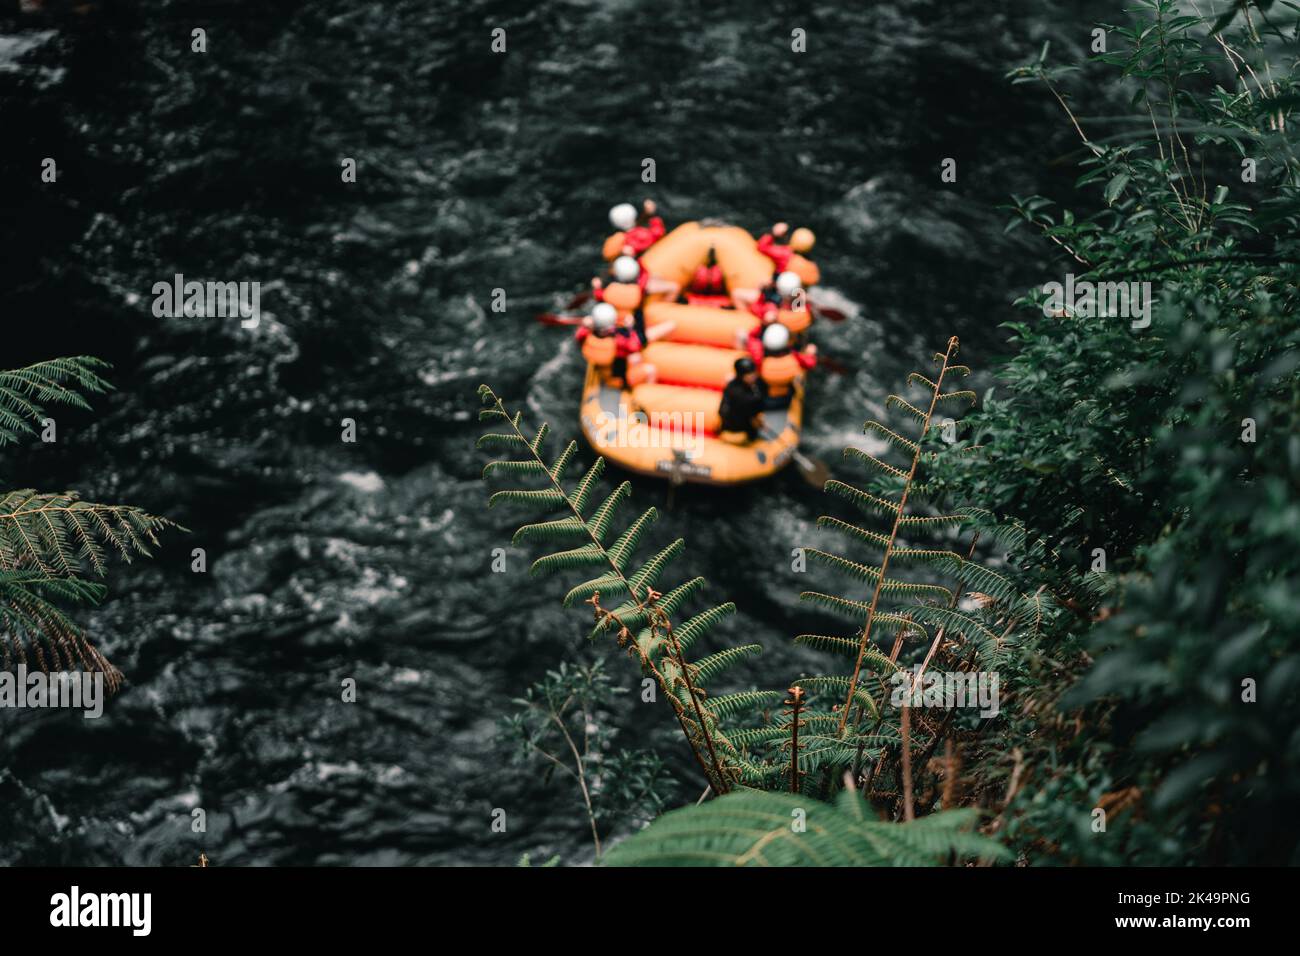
(709, 280)
(778, 253)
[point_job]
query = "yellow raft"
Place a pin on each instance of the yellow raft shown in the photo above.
(669, 428)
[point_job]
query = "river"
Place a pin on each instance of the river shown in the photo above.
(476, 170)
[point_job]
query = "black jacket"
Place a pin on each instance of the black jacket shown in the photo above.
(740, 403)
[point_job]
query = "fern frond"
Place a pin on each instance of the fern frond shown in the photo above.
(977, 577)
(497, 440)
(708, 668)
(861, 534)
(539, 438)
(699, 625)
(897, 401)
(930, 521)
(562, 462)
(648, 574)
(840, 687)
(929, 556)
(61, 535)
(732, 705)
(871, 575)
(758, 735)
(848, 647)
(524, 467)
(621, 550)
(891, 436)
(600, 521)
(542, 498)
(31, 623)
(856, 611)
(561, 529)
(609, 583)
(957, 622)
(585, 556)
(582, 493)
(24, 392)
(864, 501)
(857, 454)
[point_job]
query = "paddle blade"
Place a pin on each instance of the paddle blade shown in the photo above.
(826, 312)
(812, 470)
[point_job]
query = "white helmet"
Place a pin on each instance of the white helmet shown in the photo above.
(603, 316)
(788, 283)
(626, 269)
(623, 216)
(775, 337)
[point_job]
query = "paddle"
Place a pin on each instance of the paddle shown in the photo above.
(812, 470)
(832, 365)
(550, 318)
(826, 312)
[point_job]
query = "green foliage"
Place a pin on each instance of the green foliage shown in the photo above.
(773, 829)
(564, 722)
(1132, 489)
(26, 392)
(643, 623)
(50, 542)
(1136, 441)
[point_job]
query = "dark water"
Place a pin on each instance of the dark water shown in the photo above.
(476, 171)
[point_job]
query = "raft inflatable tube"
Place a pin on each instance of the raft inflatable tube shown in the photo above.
(669, 428)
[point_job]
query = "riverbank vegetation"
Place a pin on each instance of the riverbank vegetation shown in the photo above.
(1112, 531)
(54, 547)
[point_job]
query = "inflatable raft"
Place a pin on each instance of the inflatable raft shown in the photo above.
(669, 428)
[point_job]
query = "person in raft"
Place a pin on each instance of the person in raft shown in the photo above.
(613, 348)
(776, 247)
(781, 294)
(708, 278)
(636, 233)
(743, 401)
(781, 364)
(627, 292)
(775, 303)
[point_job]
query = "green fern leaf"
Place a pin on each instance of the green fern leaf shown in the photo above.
(857, 454)
(871, 538)
(732, 705)
(585, 556)
(603, 517)
(542, 498)
(699, 625)
(864, 501)
(61, 535)
(562, 529)
(622, 549)
(527, 467)
(582, 493)
(25, 392)
(708, 668)
(749, 828)
(499, 440)
(895, 439)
